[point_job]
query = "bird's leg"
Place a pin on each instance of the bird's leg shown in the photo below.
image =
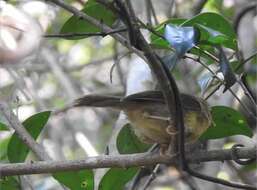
(170, 129)
(149, 116)
(164, 148)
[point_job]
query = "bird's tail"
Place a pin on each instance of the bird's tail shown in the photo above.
(98, 101)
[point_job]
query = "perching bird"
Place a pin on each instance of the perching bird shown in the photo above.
(149, 115)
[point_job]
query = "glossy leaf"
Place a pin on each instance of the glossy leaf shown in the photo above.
(17, 150)
(76, 180)
(128, 143)
(216, 23)
(226, 122)
(215, 37)
(93, 9)
(117, 178)
(226, 70)
(182, 39)
(9, 183)
(215, 29)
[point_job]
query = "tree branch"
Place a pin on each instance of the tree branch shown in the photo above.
(85, 34)
(22, 133)
(120, 161)
(99, 24)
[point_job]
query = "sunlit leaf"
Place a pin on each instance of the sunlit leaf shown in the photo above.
(226, 122)
(217, 23)
(182, 39)
(93, 9)
(76, 180)
(17, 150)
(117, 178)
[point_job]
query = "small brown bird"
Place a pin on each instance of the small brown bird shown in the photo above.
(150, 117)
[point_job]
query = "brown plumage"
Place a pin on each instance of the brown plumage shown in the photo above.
(149, 115)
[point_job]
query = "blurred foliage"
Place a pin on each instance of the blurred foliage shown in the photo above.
(214, 29)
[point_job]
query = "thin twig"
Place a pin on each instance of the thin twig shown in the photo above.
(153, 12)
(245, 61)
(171, 94)
(212, 92)
(85, 34)
(247, 90)
(101, 25)
(221, 83)
(199, 6)
(148, 12)
(151, 177)
(166, 81)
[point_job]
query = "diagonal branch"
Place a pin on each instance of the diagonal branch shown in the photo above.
(85, 34)
(22, 133)
(99, 24)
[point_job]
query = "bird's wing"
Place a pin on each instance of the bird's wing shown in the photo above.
(189, 102)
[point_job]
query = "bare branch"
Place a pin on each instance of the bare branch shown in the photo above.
(85, 34)
(121, 161)
(22, 133)
(97, 23)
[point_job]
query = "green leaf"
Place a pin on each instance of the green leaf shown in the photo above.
(93, 9)
(226, 122)
(128, 143)
(3, 127)
(212, 25)
(17, 150)
(158, 42)
(217, 23)
(234, 64)
(3, 148)
(9, 183)
(215, 37)
(116, 178)
(76, 180)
